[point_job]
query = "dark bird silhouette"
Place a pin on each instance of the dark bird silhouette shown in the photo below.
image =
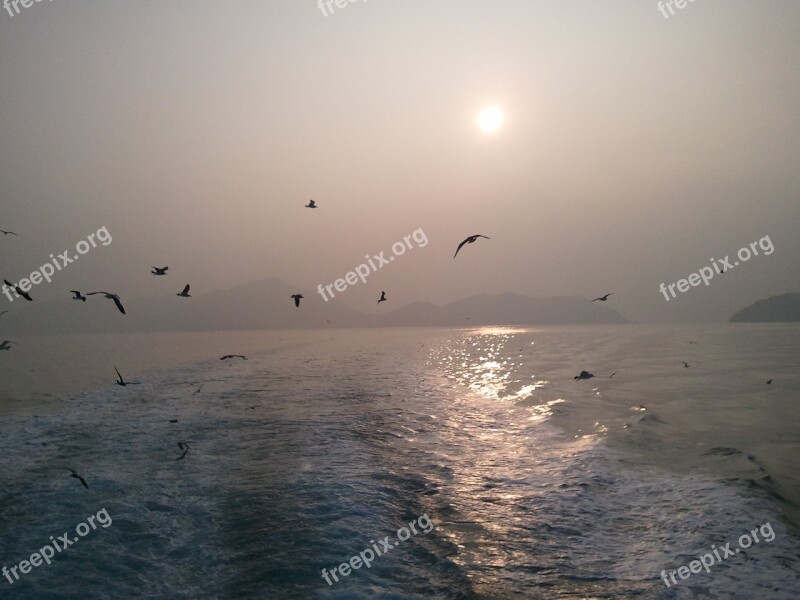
(197, 391)
(78, 295)
(183, 446)
(311, 204)
(297, 299)
(121, 382)
(78, 477)
(5, 345)
(584, 375)
(159, 271)
(614, 373)
(382, 298)
(18, 289)
(227, 356)
(8, 232)
(111, 296)
(769, 382)
(185, 292)
(470, 240)
(685, 365)
(603, 298)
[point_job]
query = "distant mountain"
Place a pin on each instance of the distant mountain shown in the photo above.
(785, 307)
(266, 304)
(504, 309)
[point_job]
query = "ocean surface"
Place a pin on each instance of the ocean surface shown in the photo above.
(521, 481)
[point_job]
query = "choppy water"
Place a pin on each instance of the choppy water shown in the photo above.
(537, 486)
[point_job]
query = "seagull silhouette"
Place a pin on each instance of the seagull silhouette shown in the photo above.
(111, 296)
(614, 373)
(470, 240)
(584, 375)
(8, 232)
(297, 299)
(311, 204)
(18, 289)
(685, 364)
(159, 271)
(227, 356)
(5, 345)
(383, 297)
(602, 298)
(769, 382)
(78, 295)
(183, 446)
(184, 293)
(121, 382)
(78, 477)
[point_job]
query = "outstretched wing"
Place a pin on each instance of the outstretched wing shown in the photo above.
(461, 245)
(119, 304)
(186, 289)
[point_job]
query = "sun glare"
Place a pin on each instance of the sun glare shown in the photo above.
(490, 119)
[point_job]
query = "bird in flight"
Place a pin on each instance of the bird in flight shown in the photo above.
(311, 204)
(227, 356)
(184, 293)
(584, 375)
(121, 382)
(602, 298)
(78, 295)
(685, 365)
(8, 232)
(470, 240)
(6, 345)
(183, 446)
(77, 476)
(159, 270)
(769, 382)
(383, 297)
(614, 373)
(111, 296)
(297, 299)
(18, 289)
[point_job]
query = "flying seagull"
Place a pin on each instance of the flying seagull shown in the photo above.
(7, 232)
(18, 289)
(121, 382)
(184, 293)
(383, 297)
(5, 345)
(602, 298)
(471, 239)
(769, 382)
(159, 270)
(685, 364)
(614, 373)
(227, 356)
(183, 446)
(311, 204)
(584, 375)
(78, 477)
(111, 296)
(297, 299)
(78, 295)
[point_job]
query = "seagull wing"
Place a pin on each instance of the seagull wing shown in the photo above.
(186, 289)
(119, 304)
(460, 246)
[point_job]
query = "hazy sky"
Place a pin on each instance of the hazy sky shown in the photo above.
(634, 147)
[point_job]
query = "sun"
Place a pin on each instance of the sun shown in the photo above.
(490, 119)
